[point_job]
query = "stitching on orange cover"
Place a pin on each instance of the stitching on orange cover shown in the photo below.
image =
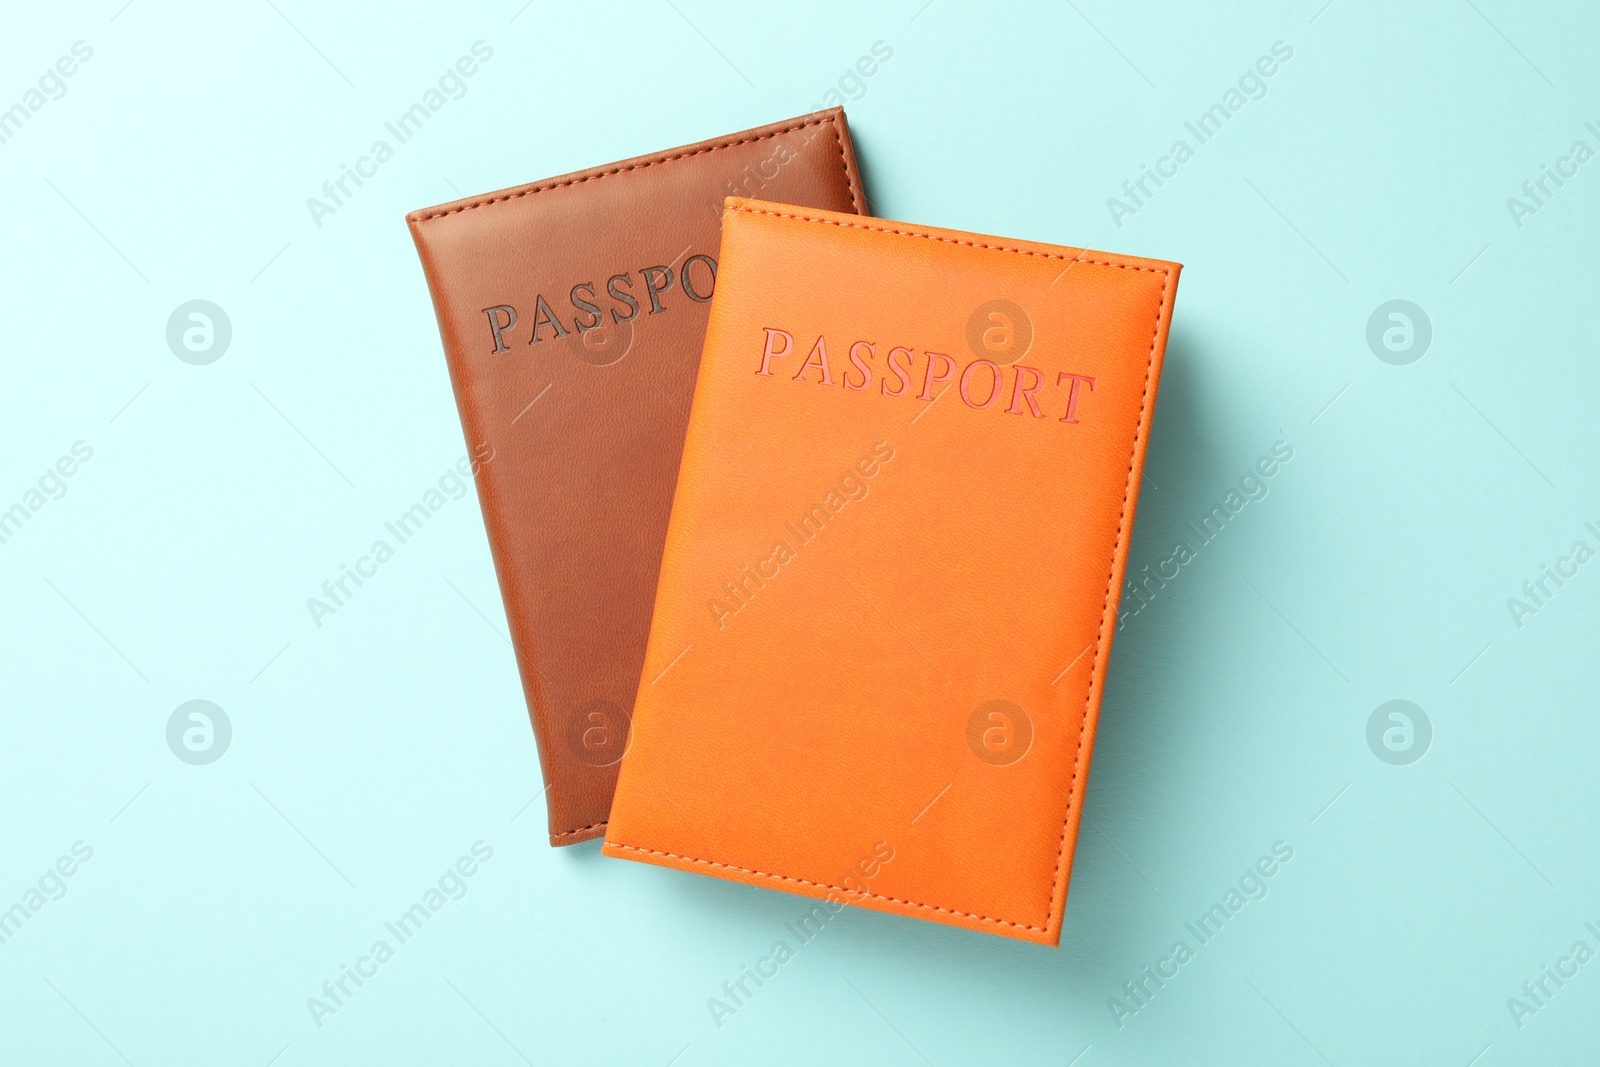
(652, 162)
(824, 885)
(967, 244)
(1106, 612)
(1116, 548)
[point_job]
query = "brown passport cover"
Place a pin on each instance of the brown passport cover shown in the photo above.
(572, 312)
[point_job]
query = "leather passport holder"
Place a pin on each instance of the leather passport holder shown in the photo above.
(891, 576)
(572, 313)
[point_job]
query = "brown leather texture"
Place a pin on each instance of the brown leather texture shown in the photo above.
(572, 313)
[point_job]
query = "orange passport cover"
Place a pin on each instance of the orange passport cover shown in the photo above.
(892, 569)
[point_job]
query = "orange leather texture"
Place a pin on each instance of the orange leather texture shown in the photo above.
(892, 567)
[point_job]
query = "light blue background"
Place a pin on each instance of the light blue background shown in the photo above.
(370, 753)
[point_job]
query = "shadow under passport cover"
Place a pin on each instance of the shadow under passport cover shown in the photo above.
(572, 313)
(892, 571)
